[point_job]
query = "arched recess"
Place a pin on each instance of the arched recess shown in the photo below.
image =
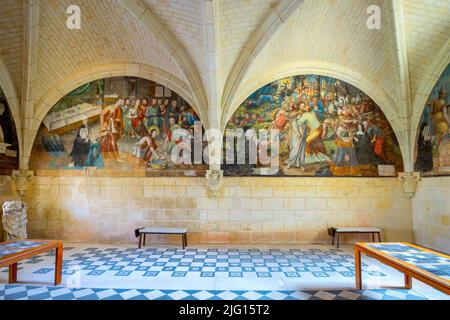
(426, 85)
(9, 90)
(58, 91)
(379, 96)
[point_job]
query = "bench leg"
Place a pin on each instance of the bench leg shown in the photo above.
(140, 240)
(358, 277)
(338, 240)
(408, 282)
(379, 236)
(12, 278)
(58, 264)
(373, 237)
(332, 238)
(144, 240)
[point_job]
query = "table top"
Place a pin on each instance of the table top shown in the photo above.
(435, 263)
(18, 249)
(163, 230)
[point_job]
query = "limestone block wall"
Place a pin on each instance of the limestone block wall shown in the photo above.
(431, 213)
(248, 210)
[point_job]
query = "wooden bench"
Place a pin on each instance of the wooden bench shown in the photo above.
(144, 231)
(425, 265)
(337, 231)
(15, 251)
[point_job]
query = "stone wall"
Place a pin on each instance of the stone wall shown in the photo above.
(248, 210)
(431, 213)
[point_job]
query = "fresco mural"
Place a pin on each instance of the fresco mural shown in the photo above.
(326, 128)
(9, 146)
(433, 142)
(119, 126)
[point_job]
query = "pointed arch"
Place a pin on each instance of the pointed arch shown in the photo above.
(64, 87)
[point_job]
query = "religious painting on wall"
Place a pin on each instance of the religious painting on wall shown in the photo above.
(326, 127)
(433, 142)
(9, 146)
(119, 126)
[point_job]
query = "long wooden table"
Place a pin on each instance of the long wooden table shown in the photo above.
(13, 252)
(428, 266)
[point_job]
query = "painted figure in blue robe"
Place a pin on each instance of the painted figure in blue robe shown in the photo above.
(424, 161)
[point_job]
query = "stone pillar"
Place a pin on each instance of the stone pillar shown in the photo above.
(409, 181)
(22, 179)
(214, 179)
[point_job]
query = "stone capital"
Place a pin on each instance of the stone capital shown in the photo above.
(409, 181)
(214, 179)
(22, 178)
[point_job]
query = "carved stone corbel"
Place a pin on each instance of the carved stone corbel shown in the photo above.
(22, 178)
(409, 181)
(214, 179)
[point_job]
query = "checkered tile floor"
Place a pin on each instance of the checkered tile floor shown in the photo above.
(22, 292)
(204, 273)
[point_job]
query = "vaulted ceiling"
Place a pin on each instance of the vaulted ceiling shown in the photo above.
(216, 52)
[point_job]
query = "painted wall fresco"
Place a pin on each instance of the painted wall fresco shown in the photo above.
(119, 126)
(433, 142)
(327, 128)
(9, 146)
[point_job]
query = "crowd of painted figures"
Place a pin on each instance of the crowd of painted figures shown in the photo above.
(326, 126)
(145, 120)
(148, 124)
